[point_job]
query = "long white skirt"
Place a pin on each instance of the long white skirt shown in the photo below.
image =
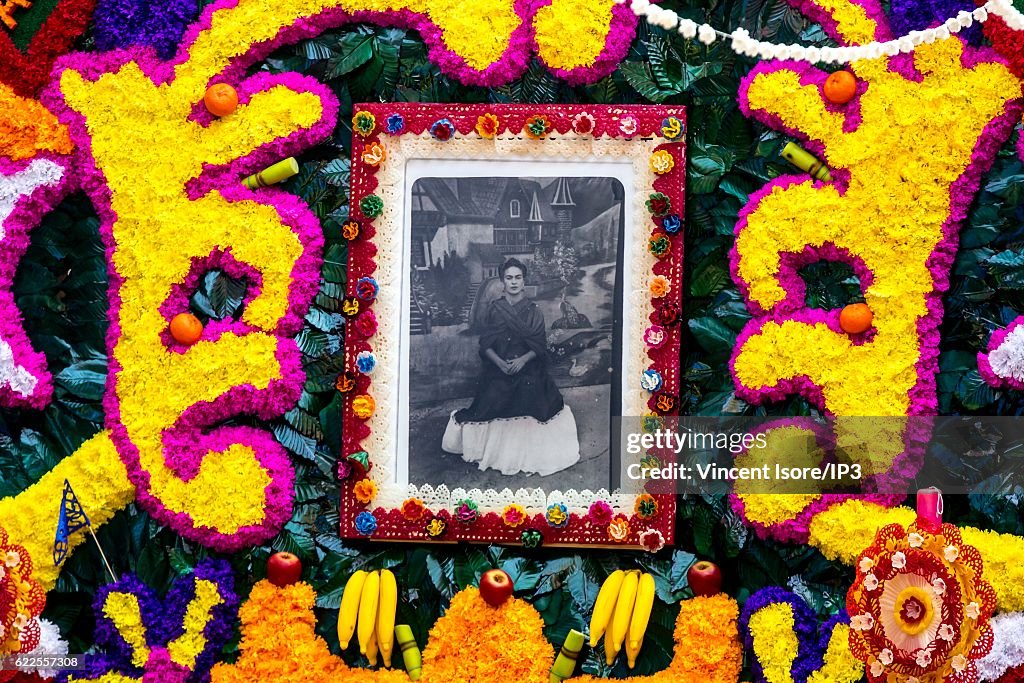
(518, 444)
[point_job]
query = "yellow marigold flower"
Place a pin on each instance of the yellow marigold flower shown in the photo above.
(662, 162)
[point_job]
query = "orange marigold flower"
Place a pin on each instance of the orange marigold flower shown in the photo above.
(365, 490)
(350, 230)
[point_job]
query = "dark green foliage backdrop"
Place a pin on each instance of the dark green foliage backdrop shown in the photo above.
(61, 290)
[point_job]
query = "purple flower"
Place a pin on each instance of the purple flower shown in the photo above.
(366, 523)
(127, 23)
(394, 124)
(600, 513)
(467, 512)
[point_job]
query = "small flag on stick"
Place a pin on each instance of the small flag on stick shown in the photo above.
(73, 518)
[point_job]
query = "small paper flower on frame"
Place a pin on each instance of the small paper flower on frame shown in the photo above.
(628, 125)
(394, 124)
(366, 523)
(583, 124)
(443, 130)
(487, 126)
(618, 529)
(364, 123)
(557, 515)
(413, 509)
(513, 515)
(662, 162)
(350, 230)
(365, 490)
(659, 286)
(467, 511)
(364, 406)
(537, 126)
(374, 154)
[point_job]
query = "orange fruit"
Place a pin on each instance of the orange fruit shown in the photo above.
(220, 99)
(840, 87)
(855, 318)
(186, 329)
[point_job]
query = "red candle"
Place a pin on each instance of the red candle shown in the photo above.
(929, 509)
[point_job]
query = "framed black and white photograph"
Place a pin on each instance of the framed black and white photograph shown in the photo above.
(520, 257)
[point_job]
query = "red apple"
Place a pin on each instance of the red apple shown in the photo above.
(705, 578)
(284, 569)
(495, 587)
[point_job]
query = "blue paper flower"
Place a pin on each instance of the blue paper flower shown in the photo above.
(394, 124)
(672, 223)
(651, 380)
(366, 523)
(365, 362)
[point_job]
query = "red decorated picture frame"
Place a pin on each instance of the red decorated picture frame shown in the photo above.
(514, 290)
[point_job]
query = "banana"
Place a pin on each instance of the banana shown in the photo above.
(610, 651)
(386, 615)
(624, 608)
(631, 653)
(641, 615)
(368, 610)
(371, 650)
(604, 605)
(350, 608)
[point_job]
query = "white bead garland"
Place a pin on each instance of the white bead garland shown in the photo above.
(743, 44)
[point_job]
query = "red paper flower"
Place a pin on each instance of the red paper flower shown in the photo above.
(366, 323)
(413, 509)
(583, 124)
(668, 313)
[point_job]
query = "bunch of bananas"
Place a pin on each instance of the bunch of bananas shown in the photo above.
(621, 613)
(368, 608)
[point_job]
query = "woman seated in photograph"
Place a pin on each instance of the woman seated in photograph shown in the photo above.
(518, 421)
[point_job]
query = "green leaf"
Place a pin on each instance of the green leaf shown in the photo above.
(353, 51)
(713, 336)
(86, 379)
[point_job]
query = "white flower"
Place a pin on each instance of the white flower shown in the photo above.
(866, 564)
(973, 610)
(706, 34)
(628, 125)
(924, 658)
(959, 663)
(12, 559)
(899, 560)
(20, 622)
(939, 586)
(885, 657)
(951, 553)
(877, 669)
(946, 632)
(870, 582)
(862, 622)
(916, 540)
